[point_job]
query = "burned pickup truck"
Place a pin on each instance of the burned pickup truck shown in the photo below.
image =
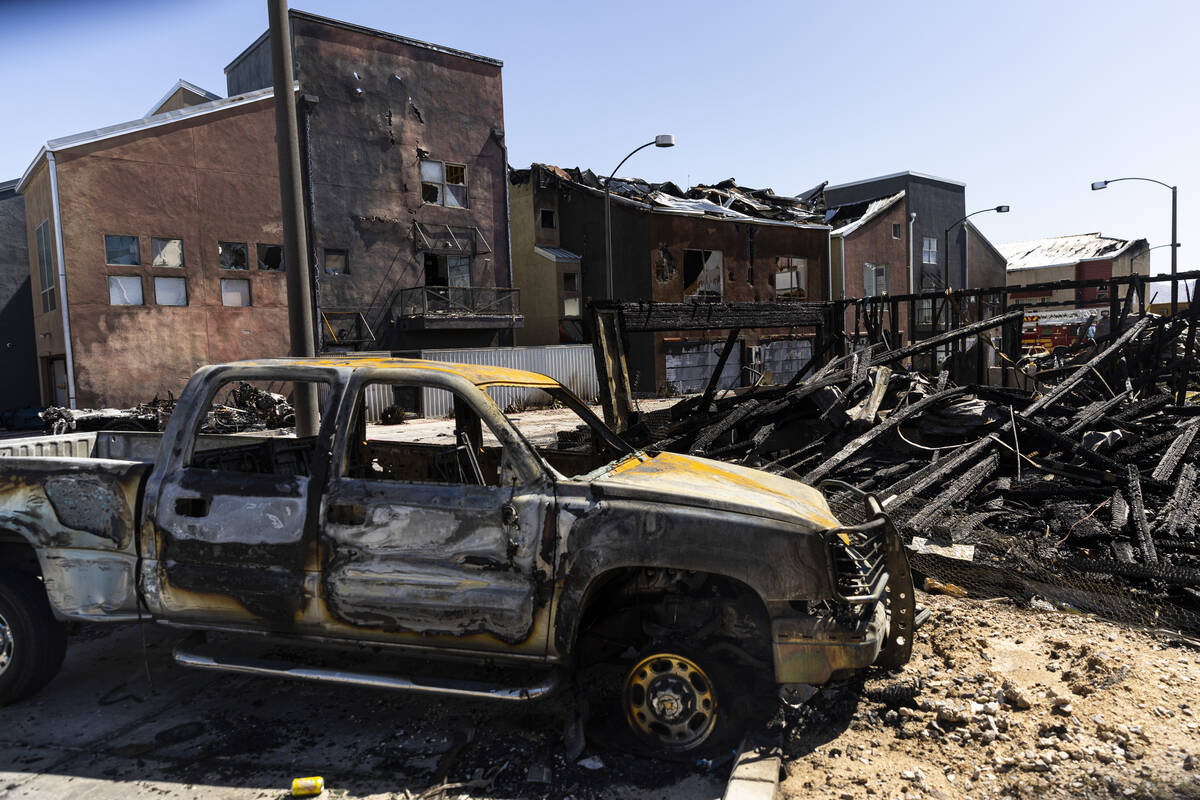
(703, 580)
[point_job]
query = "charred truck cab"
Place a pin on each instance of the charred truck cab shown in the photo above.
(703, 580)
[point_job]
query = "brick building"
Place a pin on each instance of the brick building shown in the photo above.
(167, 229)
(18, 361)
(707, 244)
(1085, 256)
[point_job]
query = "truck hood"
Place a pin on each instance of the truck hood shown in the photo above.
(704, 483)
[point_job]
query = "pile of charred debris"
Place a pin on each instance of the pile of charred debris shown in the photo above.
(246, 408)
(1079, 489)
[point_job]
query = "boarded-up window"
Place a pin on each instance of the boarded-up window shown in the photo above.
(124, 251)
(233, 255)
(166, 252)
(702, 275)
(125, 290)
(875, 279)
(235, 292)
(170, 291)
(45, 267)
(791, 278)
(270, 257)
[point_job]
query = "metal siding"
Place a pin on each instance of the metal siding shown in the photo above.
(572, 365)
(691, 365)
(785, 357)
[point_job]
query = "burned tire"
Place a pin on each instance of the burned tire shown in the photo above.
(32, 641)
(679, 699)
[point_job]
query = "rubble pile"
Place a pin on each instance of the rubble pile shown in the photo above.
(246, 408)
(150, 416)
(1080, 488)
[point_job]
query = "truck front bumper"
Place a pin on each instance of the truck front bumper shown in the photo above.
(871, 611)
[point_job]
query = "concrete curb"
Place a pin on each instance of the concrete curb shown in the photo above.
(755, 774)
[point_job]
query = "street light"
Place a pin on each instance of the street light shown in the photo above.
(946, 238)
(662, 140)
(1097, 185)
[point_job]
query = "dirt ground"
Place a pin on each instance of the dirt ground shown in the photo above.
(1000, 701)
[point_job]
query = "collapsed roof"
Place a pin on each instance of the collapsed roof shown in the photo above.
(725, 200)
(1064, 250)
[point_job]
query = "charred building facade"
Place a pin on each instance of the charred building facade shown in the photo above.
(403, 145)
(708, 244)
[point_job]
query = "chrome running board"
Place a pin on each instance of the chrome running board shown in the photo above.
(439, 686)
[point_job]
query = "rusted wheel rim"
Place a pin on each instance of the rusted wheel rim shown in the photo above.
(670, 699)
(6, 644)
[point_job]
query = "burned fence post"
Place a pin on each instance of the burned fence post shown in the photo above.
(714, 380)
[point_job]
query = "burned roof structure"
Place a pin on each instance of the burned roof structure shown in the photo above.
(1064, 250)
(725, 200)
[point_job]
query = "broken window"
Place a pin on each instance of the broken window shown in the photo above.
(123, 251)
(270, 257)
(929, 250)
(235, 292)
(791, 278)
(875, 279)
(124, 290)
(233, 255)
(45, 267)
(703, 272)
(337, 262)
(546, 218)
(895, 230)
(443, 184)
(170, 291)
(447, 270)
(166, 252)
(925, 313)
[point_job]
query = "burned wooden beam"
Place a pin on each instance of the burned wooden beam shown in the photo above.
(643, 316)
(1170, 459)
(894, 356)
(1137, 510)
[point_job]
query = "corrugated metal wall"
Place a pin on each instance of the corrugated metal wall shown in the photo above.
(785, 357)
(572, 365)
(690, 364)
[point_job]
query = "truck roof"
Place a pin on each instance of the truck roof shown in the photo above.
(478, 374)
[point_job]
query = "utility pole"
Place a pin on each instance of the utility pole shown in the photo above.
(295, 238)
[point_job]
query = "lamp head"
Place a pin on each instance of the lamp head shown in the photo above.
(664, 140)
(1001, 209)
(1099, 185)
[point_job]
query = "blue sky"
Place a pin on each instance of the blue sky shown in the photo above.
(1025, 102)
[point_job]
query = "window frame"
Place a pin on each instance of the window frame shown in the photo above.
(258, 261)
(186, 298)
(720, 270)
(47, 280)
(797, 267)
(897, 230)
(929, 245)
(442, 185)
(141, 291)
(245, 245)
(249, 293)
(136, 237)
(553, 226)
(182, 255)
(875, 269)
(343, 251)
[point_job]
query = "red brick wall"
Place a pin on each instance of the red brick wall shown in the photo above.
(874, 243)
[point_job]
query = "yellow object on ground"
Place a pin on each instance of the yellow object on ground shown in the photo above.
(307, 787)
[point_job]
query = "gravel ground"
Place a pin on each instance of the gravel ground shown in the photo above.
(1000, 701)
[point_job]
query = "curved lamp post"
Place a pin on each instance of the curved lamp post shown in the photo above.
(946, 238)
(662, 140)
(1097, 185)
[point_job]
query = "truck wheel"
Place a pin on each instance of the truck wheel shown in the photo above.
(32, 641)
(678, 699)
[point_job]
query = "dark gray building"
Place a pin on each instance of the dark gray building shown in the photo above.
(932, 205)
(406, 194)
(18, 353)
